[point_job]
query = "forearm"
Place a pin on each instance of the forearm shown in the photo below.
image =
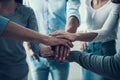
(85, 36)
(72, 24)
(18, 32)
(107, 66)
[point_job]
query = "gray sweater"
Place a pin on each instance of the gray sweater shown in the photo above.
(108, 66)
(13, 64)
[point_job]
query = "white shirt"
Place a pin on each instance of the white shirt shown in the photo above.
(103, 21)
(52, 15)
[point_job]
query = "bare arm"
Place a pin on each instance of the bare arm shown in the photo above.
(73, 17)
(97, 35)
(71, 26)
(18, 32)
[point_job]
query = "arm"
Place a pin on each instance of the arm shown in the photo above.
(102, 34)
(73, 17)
(96, 35)
(18, 32)
(73, 21)
(110, 25)
(15, 31)
(107, 66)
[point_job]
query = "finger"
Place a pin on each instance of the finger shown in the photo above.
(63, 37)
(70, 43)
(81, 46)
(66, 50)
(61, 53)
(57, 52)
(85, 46)
(57, 33)
(67, 43)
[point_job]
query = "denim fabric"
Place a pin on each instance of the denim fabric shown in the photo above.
(98, 48)
(40, 69)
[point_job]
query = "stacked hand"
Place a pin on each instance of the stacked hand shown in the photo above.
(52, 40)
(61, 52)
(64, 35)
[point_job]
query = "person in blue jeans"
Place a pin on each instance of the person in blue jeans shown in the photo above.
(52, 15)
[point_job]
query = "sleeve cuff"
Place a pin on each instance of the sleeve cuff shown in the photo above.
(3, 22)
(74, 14)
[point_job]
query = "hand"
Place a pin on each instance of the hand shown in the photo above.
(83, 45)
(46, 52)
(57, 41)
(64, 35)
(61, 53)
(29, 51)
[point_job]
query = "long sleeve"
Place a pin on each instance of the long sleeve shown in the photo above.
(73, 8)
(32, 24)
(3, 23)
(107, 66)
(109, 28)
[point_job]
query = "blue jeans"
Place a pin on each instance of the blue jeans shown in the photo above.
(98, 48)
(40, 69)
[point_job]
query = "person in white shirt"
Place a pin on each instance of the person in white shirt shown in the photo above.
(98, 12)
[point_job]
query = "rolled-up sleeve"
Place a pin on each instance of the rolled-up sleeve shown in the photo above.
(3, 22)
(73, 9)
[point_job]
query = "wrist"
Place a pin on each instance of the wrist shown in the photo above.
(46, 40)
(75, 35)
